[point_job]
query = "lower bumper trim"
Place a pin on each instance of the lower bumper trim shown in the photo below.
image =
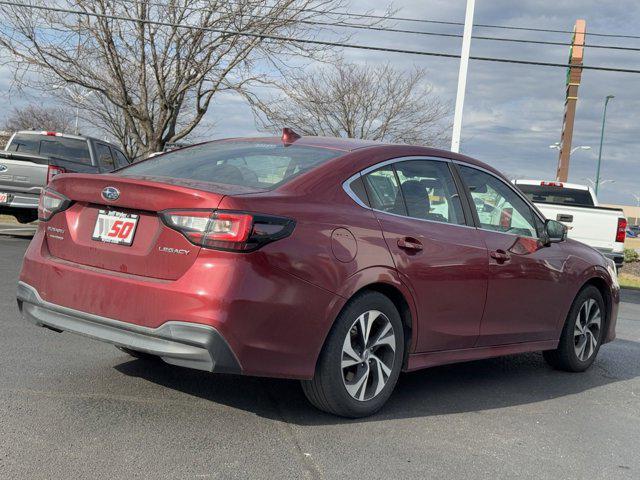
(179, 343)
(618, 258)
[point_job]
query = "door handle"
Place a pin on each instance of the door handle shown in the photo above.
(410, 244)
(500, 256)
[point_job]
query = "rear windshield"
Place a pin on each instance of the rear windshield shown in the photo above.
(70, 149)
(247, 164)
(561, 195)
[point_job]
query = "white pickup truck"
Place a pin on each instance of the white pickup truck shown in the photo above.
(577, 207)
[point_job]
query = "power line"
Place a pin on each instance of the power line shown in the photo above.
(484, 25)
(310, 41)
(417, 32)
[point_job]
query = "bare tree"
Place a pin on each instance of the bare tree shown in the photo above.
(357, 101)
(154, 78)
(38, 117)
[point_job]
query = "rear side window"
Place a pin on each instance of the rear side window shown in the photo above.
(357, 187)
(422, 189)
(105, 160)
(429, 191)
(383, 190)
(559, 195)
(71, 149)
(248, 164)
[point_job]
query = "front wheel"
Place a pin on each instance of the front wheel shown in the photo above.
(361, 359)
(582, 333)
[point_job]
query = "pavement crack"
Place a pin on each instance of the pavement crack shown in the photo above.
(306, 459)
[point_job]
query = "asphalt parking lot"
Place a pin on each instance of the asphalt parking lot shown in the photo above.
(75, 408)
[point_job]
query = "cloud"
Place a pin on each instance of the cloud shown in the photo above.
(512, 112)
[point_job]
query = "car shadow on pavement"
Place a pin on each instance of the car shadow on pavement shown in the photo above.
(465, 387)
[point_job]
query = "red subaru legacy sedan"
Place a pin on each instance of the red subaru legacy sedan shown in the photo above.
(337, 262)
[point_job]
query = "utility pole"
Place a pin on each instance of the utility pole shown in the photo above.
(604, 119)
(462, 76)
(574, 75)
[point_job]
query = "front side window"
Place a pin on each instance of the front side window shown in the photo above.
(499, 207)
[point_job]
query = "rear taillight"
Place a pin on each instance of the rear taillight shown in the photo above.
(53, 170)
(50, 203)
(622, 230)
(228, 230)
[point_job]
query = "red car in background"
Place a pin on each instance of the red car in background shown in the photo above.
(337, 262)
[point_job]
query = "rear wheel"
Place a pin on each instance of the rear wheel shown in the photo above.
(361, 359)
(582, 333)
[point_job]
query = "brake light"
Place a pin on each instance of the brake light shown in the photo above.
(551, 184)
(53, 170)
(227, 230)
(51, 134)
(622, 230)
(50, 203)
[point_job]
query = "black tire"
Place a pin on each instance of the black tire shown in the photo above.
(565, 356)
(327, 390)
(137, 354)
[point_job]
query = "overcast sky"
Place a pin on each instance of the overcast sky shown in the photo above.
(512, 112)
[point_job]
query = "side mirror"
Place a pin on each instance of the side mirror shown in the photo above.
(554, 232)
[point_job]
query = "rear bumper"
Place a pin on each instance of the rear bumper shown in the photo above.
(22, 201)
(179, 343)
(273, 322)
(618, 258)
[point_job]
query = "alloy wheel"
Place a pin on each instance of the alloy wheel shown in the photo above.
(587, 329)
(368, 355)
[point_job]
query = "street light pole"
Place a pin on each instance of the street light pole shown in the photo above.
(462, 76)
(604, 118)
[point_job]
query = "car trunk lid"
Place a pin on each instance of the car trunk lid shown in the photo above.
(156, 251)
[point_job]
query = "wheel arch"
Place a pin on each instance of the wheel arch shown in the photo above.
(386, 281)
(603, 287)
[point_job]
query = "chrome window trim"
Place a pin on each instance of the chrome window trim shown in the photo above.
(346, 186)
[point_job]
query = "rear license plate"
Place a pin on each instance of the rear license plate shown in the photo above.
(4, 198)
(115, 227)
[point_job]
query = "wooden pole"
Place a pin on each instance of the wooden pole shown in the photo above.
(574, 75)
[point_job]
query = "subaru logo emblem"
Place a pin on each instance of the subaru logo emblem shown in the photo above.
(3, 168)
(111, 193)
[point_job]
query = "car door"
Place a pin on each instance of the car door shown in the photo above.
(526, 286)
(440, 257)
